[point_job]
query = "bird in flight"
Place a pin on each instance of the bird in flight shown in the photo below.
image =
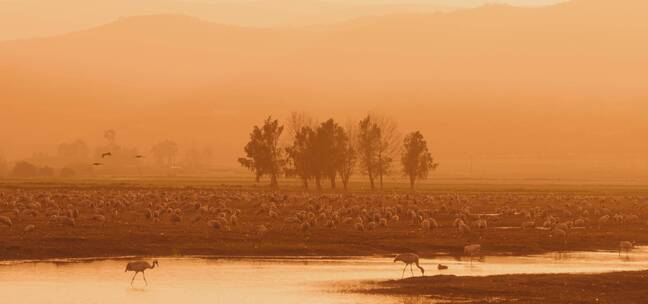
(97, 164)
(106, 154)
(139, 156)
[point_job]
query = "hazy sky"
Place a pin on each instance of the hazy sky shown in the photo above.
(38, 18)
(520, 89)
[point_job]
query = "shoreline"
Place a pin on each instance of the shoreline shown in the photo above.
(145, 239)
(264, 256)
(31, 251)
(609, 287)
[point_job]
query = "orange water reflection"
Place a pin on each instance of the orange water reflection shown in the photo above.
(206, 280)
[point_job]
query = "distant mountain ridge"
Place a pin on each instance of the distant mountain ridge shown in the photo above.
(40, 18)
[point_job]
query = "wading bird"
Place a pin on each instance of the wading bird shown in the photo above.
(625, 246)
(472, 250)
(409, 259)
(140, 266)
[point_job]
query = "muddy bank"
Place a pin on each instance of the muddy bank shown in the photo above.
(174, 240)
(163, 239)
(616, 287)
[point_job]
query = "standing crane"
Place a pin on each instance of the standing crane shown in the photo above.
(140, 266)
(409, 259)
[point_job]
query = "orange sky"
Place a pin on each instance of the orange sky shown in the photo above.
(555, 91)
(40, 18)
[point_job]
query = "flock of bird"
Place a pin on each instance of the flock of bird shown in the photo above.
(109, 154)
(258, 215)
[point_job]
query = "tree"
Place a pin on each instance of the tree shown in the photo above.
(348, 157)
(4, 166)
(198, 159)
(23, 169)
(320, 153)
(301, 155)
(110, 135)
(297, 121)
(121, 160)
(264, 157)
(329, 145)
(67, 172)
(416, 159)
(46, 171)
(369, 144)
(76, 151)
(389, 146)
(165, 153)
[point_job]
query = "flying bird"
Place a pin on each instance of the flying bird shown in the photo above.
(139, 156)
(97, 164)
(106, 154)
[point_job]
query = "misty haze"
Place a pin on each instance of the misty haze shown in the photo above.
(285, 151)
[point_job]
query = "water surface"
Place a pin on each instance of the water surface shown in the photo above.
(265, 280)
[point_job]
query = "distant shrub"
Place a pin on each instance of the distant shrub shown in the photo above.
(23, 169)
(67, 172)
(45, 171)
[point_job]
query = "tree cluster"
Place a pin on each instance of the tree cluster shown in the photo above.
(328, 151)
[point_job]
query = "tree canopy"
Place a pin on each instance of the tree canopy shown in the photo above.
(416, 159)
(263, 154)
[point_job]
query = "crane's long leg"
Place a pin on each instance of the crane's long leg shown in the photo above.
(412, 269)
(404, 271)
(133, 279)
(144, 276)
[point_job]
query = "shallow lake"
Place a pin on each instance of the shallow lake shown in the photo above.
(265, 280)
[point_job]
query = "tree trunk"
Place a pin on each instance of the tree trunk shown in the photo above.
(371, 180)
(318, 183)
(273, 181)
(345, 183)
(380, 171)
(412, 180)
(305, 181)
(333, 186)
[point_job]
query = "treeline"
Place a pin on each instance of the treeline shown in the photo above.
(328, 151)
(78, 159)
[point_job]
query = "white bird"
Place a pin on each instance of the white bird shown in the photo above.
(140, 266)
(409, 259)
(5, 220)
(29, 228)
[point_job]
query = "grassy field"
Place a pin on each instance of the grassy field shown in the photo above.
(126, 230)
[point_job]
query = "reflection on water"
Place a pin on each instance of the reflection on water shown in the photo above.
(206, 280)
